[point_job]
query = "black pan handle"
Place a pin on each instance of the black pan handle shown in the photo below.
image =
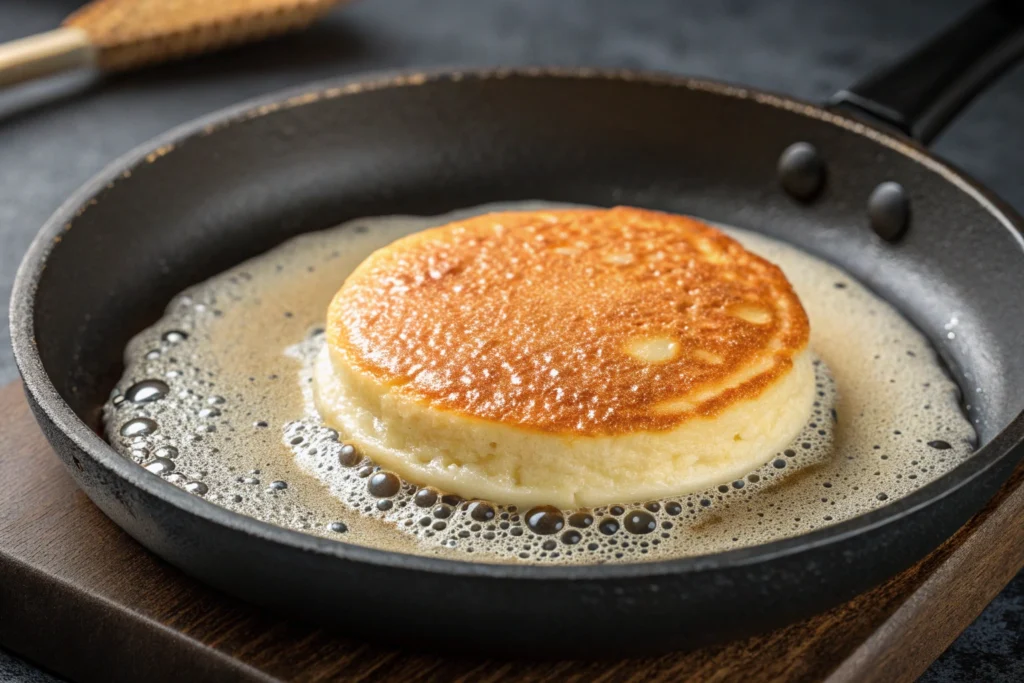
(922, 94)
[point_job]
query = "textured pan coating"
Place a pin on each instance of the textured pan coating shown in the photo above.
(584, 322)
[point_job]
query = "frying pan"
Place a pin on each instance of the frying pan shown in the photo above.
(212, 193)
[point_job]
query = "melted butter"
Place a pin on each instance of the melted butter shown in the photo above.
(236, 423)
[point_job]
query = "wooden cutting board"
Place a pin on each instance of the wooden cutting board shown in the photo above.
(81, 598)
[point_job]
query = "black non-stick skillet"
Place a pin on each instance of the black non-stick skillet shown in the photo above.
(849, 181)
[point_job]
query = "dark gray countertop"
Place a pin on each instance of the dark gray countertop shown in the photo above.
(54, 135)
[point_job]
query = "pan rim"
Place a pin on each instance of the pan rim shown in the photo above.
(44, 394)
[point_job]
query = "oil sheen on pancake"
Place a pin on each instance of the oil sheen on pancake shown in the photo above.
(575, 357)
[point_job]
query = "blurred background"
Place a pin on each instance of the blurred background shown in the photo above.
(56, 133)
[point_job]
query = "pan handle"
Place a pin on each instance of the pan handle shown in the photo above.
(921, 94)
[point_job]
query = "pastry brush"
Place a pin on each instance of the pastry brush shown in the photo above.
(116, 35)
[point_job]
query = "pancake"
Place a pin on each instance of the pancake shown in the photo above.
(571, 357)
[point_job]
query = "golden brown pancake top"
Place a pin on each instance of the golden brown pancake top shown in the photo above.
(534, 319)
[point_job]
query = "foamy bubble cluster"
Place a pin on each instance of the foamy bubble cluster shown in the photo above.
(216, 398)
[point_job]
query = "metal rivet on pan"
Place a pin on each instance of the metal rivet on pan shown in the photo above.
(801, 171)
(889, 211)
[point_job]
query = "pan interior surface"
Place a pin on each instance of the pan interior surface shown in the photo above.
(229, 190)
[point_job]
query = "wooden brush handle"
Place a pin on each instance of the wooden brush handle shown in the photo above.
(46, 53)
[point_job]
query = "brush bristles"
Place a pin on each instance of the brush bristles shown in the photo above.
(131, 33)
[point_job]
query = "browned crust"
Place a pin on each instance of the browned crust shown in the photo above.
(520, 318)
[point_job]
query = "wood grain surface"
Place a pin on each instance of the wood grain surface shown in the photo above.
(80, 597)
